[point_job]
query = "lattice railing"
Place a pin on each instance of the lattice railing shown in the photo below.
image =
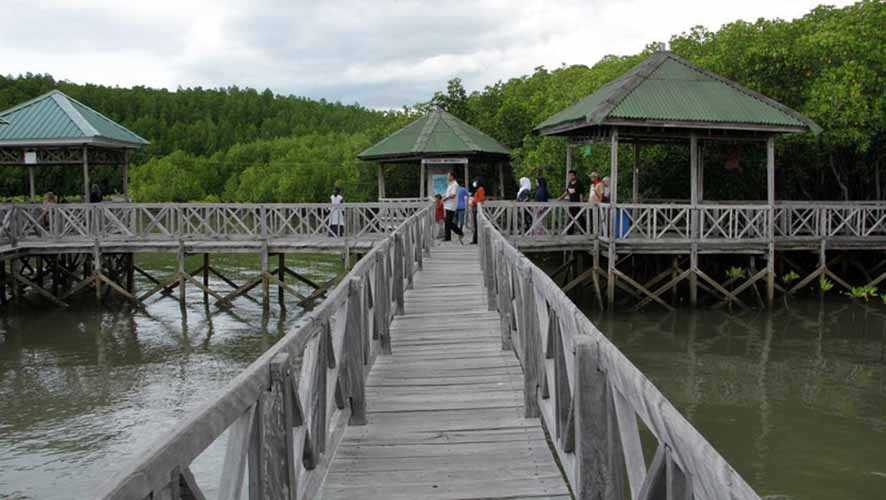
(285, 414)
(591, 398)
(733, 222)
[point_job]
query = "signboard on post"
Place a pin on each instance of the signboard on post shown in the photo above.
(438, 172)
(30, 157)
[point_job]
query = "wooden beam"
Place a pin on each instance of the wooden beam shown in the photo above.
(381, 181)
(85, 176)
(770, 197)
(32, 187)
(635, 194)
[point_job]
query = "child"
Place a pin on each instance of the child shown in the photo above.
(439, 215)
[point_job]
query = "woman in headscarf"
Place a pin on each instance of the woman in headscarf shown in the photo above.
(524, 195)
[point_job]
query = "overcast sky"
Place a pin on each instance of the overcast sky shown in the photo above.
(380, 53)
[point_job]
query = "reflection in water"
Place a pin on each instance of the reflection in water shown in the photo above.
(794, 399)
(85, 389)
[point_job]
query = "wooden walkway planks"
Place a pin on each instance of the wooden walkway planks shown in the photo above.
(445, 410)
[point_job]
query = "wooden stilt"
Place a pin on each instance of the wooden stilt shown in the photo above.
(205, 270)
(97, 268)
(130, 274)
(182, 275)
(3, 282)
(281, 278)
(265, 278)
(693, 276)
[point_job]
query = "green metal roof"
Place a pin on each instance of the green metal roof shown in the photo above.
(437, 133)
(55, 118)
(666, 89)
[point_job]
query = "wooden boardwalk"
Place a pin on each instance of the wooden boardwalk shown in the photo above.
(445, 410)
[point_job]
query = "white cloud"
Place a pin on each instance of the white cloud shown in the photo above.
(382, 53)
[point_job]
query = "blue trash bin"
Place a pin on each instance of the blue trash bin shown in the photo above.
(622, 223)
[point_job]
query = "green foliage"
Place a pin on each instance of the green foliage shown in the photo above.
(790, 277)
(736, 273)
(824, 284)
(242, 144)
(862, 292)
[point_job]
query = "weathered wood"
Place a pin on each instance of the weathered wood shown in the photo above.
(592, 478)
(234, 466)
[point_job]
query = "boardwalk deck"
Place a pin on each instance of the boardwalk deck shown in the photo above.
(445, 410)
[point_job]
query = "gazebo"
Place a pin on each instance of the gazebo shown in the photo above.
(666, 99)
(438, 142)
(55, 129)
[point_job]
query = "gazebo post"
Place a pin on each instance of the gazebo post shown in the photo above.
(501, 180)
(33, 189)
(770, 195)
(85, 175)
(693, 219)
(635, 193)
(381, 180)
(467, 173)
(613, 213)
(700, 172)
(126, 175)
(423, 186)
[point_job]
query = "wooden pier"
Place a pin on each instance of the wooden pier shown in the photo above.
(438, 372)
(61, 250)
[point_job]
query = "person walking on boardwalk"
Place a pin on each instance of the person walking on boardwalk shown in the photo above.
(461, 197)
(596, 194)
(476, 200)
(450, 204)
(337, 215)
(574, 194)
(524, 194)
(439, 215)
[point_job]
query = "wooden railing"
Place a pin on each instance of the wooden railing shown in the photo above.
(27, 223)
(590, 396)
(708, 222)
(285, 414)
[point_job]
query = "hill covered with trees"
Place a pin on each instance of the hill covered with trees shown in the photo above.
(244, 145)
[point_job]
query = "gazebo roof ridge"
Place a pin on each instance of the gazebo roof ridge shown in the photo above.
(668, 89)
(54, 118)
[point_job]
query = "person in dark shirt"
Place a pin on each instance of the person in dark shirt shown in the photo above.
(574, 193)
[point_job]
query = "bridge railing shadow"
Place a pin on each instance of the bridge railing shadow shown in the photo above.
(284, 415)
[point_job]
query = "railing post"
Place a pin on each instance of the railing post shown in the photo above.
(277, 453)
(409, 255)
(398, 272)
(382, 304)
(593, 479)
(354, 337)
(531, 344)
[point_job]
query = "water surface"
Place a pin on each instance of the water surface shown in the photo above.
(85, 389)
(794, 399)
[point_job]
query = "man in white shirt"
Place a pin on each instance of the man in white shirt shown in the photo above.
(450, 204)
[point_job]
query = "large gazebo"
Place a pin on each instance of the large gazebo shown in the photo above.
(55, 129)
(438, 142)
(666, 99)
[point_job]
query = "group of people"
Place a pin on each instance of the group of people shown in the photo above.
(452, 206)
(598, 193)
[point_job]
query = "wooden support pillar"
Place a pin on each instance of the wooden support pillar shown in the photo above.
(281, 277)
(130, 273)
(501, 180)
(85, 175)
(700, 173)
(423, 186)
(467, 176)
(613, 214)
(126, 175)
(182, 274)
(694, 234)
(381, 181)
(31, 185)
(770, 195)
(592, 474)
(205, 270)
(568, 162)
(265, 282)
(97, 264)
(635, 193)
(3, 282)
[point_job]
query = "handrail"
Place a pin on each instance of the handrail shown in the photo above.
(589, 395)
(112, 222)
(704, 222)
(285, 413)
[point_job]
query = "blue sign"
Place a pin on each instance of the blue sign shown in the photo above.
(439, 183)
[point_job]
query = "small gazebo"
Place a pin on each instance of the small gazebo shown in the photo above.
(438, 142)
(55, 129)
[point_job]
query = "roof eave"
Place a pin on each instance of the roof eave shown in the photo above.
(72, 141)
(418, 155)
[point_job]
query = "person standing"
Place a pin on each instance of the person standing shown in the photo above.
(95, 194)
(523, 195)
(439, 215)
(476, 200)
(450, 204)
(461, 197)
(596, 194)
(336, 215)
(541, 196)
(573, 194)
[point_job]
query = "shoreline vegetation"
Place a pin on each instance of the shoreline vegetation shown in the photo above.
(242, 145)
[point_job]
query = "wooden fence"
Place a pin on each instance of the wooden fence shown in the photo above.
(708, 222)
(75, 222)
(590, 396)
(285, 414)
